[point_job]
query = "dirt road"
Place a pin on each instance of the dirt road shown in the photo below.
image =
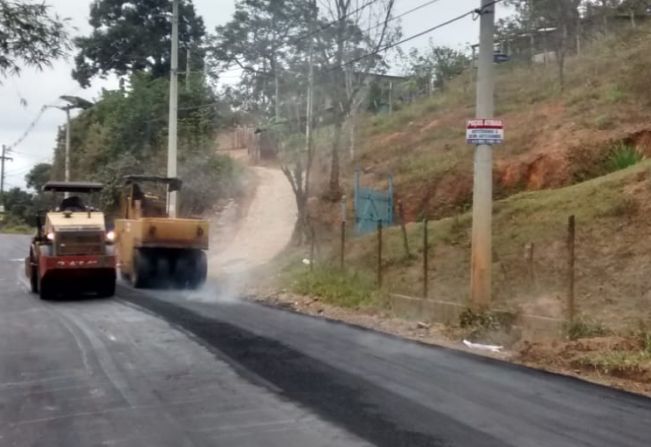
(263, 232)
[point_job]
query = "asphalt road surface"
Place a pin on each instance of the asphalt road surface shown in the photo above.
(168, 368)
(103, 373)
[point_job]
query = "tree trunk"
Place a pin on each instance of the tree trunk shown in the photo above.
(334, 192)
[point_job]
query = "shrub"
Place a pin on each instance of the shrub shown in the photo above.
(586, 329)
(622, 156)
(336, 287)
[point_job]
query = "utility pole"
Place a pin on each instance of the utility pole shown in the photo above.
(173, 112)
(482, 198)
(3, 158)
(74, 102)
(67, 154)
(187, 70)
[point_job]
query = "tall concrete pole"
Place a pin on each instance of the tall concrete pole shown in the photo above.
(480, 288)
(172, 137)
(67, 153)
(3, 158)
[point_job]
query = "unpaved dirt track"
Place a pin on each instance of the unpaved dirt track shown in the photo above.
(103, 373)
(264, 232)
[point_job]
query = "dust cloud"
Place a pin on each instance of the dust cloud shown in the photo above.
(246, 236)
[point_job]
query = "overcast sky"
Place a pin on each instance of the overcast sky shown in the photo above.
(41, 88)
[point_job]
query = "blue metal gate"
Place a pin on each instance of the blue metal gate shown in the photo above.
(372, 206)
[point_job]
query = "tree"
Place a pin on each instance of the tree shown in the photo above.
(19, 206)
(129, 37)
(29, 35)
(439, 64)
(38, 176)
(260, 38)
(351, 50)
(562, 17)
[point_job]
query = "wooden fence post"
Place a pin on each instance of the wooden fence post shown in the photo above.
(342, 248)
(529, 253)
(405, 240)
(379, 253)
(425, 260)
(571, 237)
(312, 246)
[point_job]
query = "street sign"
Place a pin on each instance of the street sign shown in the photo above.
(500, 58)
(487, 131)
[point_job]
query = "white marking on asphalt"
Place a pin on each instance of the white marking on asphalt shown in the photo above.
(17, 260)
(112, 337)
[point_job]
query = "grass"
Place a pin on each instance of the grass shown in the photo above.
(618, 363)
(343, 289)
(586, 329)
(16, 229)
(622, 156)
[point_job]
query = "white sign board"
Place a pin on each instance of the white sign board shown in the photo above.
(485, 132)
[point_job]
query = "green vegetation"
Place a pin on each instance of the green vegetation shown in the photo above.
(32, 35)
(125, 132)
(586, 329)
(341, 289)
(618, 363)
(603, 98)
(622, 156)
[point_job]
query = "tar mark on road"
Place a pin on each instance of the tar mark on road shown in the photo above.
(361, 407)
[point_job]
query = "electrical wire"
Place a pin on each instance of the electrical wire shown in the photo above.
(29, 129)
(327, 25)
(303, 37)
(415, 36)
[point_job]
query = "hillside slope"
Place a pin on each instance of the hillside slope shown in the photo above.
(553, 138)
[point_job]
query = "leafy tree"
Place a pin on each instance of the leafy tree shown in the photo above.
(437, 63)
(19, 206)
(29, 35)
(350, 50)
(125, 132)
(38, 176)
(129, 37)
(261, 38)
(562, 16)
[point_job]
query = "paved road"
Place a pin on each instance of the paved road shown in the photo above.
(104, 373)
(397, 393)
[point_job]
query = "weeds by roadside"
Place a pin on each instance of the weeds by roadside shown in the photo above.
(336, 287)
(586, 329)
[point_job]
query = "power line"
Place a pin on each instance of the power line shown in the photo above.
(28, 130)
(414, 36)
(399, 16)
(329, 24)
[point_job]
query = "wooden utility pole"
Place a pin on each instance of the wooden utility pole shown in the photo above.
(482, 203)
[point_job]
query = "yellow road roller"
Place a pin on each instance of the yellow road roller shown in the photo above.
(153, 249)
